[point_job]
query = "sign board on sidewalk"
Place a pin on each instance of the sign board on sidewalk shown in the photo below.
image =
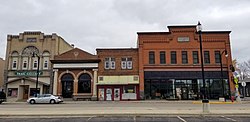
(243, 84)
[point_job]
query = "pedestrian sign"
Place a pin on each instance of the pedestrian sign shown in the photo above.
(243, 84)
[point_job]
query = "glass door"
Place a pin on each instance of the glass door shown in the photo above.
(108, 94)
(117, 94)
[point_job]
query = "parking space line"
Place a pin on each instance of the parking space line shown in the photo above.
(90, 118)
(183, 120)
(134, 118)
(229, 118)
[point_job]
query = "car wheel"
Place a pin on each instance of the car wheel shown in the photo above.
(52, 101)
(1, 102)
(32, 101)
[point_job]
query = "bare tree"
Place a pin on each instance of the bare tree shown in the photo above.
(244, 69)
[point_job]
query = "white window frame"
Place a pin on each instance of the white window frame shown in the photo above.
(112, 63)
(127, 63)
(14, 64)
(35, 62)
(45, 64)
(25, 62)
(109, 63)
(106, 63)
(123, 64)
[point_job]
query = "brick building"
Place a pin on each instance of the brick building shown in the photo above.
(75, 75)
(118, 76)
(2, 62)
(21, 65)
(170, 68)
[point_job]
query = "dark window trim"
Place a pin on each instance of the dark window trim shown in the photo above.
(162, 57)
(173, 57)
(151, 57)
(184, 56)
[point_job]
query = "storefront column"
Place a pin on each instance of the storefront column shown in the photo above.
(75, 87)
(59, 87)
(55, 82)
(94, 96)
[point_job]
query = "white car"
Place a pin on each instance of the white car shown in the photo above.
(45, 98)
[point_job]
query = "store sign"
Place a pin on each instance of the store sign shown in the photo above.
(183, 39)
(28, 73)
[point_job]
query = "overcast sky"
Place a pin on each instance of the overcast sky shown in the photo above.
(91, 24)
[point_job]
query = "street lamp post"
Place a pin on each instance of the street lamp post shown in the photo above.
(221, 73)
(37, 71)
(205, 101)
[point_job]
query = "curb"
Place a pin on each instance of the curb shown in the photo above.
(199, 102)
(123, 114)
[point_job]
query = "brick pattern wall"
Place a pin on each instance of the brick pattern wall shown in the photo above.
(117, 54)
(168, 41)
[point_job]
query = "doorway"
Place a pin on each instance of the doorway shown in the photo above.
(184, 93)
(25, 91)
(67, 85)
(108, 94)
(117, 94)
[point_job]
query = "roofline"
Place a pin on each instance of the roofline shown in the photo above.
(153, 32)
(76, 61)
(205, 32)
(216, 32)
(116, 49)
(182, 26)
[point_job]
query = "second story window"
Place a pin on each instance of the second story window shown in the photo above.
(173, 57)
(126, 63)
(217, 56)
(35, 65)
(184, 57)
(151, 57)
(195, 57)
(206, 57)
(24, 64)
(109, 63)
(162, 57)
(45, 65)
(14, 64)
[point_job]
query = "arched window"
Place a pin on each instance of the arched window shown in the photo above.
(84, 83)
(46, 58)
(67, 85)
(27, 57)
(14, 59)
(28, 51)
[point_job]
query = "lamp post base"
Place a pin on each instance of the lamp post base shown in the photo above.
(205, 106)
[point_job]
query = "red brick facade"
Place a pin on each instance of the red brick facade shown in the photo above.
(182, 38)
(116, 82)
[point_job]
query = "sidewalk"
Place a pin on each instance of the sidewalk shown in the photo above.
(243, 101)
(123, 108)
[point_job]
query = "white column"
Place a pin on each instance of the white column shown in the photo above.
(94, 84)
(55, 82)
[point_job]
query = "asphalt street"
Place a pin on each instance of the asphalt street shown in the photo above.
(120, 108)
(130, 119)
(124, 111)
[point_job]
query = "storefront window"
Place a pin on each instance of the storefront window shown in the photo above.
(12, 92)
(129, 89)
(84, 83)
(159, 89)
(33, 91)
